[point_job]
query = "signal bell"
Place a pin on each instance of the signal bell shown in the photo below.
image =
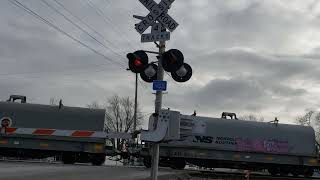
(138, 61)
(183, 74)
(172, 60)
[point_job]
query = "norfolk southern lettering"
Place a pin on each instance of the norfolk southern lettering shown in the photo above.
(203, 139)
(157, 12)
(226, 140)
(217, 140)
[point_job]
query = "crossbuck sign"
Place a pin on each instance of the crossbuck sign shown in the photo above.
(158, 12)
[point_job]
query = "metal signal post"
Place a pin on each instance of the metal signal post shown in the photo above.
(159, 21)
(158, 105)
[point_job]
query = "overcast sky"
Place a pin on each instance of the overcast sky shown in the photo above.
(248, 56)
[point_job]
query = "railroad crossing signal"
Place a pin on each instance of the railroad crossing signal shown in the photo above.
(160, 21)
(138, 61)
(158, 12)
(183, 74)
(172, 61)
(149, 74)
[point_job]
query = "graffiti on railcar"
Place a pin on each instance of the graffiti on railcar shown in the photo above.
(257, 145)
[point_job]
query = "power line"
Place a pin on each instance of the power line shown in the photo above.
(79, 19)
(88, 26)
(108, 4)
(64, 73)
(79, 27)
(108, 21)
(31, 12)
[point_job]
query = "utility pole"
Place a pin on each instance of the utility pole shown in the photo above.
(158, 104)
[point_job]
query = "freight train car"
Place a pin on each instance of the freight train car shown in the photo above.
(37, 131)
(232, 143)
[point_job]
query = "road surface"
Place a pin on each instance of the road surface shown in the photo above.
(47, 171)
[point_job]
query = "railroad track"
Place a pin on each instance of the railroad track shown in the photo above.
(211, 175)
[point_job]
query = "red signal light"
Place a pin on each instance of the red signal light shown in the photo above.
(137, 62)
(172, 60)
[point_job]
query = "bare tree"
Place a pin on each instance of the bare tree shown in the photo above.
(53, 101)
(94, 105)
(307, 118)
(311, 118)
(252, 117)
(119, 116)
(317, 119)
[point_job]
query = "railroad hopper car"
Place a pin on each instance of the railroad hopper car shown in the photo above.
(232, 143)
(40, 131)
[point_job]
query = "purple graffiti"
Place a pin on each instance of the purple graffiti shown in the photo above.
(268, 146)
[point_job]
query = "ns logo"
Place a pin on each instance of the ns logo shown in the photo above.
(203, 139)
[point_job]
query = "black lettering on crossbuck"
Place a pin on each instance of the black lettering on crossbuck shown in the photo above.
(157, 12)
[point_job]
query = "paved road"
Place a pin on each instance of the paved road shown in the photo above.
(46, 171)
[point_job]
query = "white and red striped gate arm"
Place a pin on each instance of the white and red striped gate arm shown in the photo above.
(63, 133)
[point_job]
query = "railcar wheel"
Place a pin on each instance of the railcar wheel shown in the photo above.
(308, 172)
(68, 158)
(98, 159)
(273, 171)
(178, 164)
(296, 171)
(284, 171)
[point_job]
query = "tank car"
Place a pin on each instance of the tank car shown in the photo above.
(231, 143)
(39, 131)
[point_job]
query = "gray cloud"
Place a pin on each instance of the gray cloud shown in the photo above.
(247, 55)
(245, 81)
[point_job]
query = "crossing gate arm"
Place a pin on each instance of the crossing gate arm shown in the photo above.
(167, 128)
(63, 133)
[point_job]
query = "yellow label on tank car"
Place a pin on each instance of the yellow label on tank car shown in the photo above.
(3, 142)
(313, 161)
(44, 145)
(98, 147)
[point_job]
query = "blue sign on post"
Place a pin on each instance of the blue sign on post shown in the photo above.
(159, 85)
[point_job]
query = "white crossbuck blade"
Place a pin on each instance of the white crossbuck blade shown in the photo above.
(157, 12)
